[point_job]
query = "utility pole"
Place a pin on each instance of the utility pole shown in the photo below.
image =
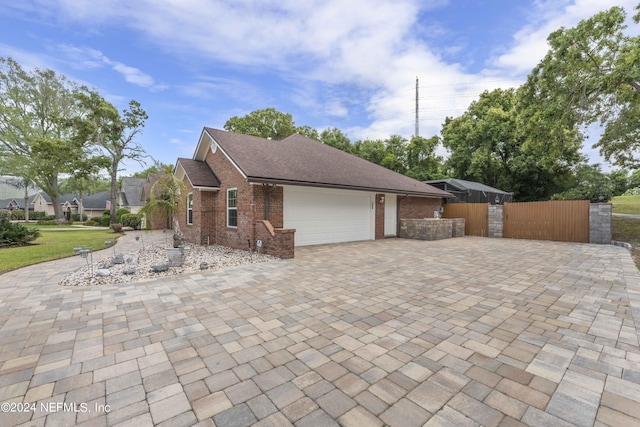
(417, 120)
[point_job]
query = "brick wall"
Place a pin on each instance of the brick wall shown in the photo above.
(600, 223)
(275, 241)
(418, 207)
(234, 237)
(379, 234)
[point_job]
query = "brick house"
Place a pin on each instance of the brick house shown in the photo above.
(250, 192)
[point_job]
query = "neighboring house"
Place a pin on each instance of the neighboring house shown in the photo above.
(130, 194)
(92, 206)
(294, 192)
(8, 189)
(471, 192)
(16, 203)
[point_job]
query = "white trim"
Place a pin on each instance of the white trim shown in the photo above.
(228, 209)
(189, 208)
(214, 146)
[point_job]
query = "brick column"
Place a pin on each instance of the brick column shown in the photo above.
(495, 221)
(600, 223)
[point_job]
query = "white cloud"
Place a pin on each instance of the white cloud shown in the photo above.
(530, 43)
(375, 48)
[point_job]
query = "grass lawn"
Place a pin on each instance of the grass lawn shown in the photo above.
(626, 204)
(627, 229)
(53, 245)
(45, 226)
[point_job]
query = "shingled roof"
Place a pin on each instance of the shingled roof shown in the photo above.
(298, 160)
(199, 173)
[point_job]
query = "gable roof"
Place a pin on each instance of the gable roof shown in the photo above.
(298, 160)
(198, 173)
(131, 191)
(96, 201)
(461, 184)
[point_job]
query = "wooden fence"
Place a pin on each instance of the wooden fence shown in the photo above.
(561, 220)
(476, 217)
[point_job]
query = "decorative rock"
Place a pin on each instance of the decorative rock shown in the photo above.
(156, 254)
(159, 268)
(102, 272)
(129, 271)
(105, 266)
(204, 265)
(118, 259)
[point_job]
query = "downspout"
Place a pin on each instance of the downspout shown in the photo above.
(267, 200)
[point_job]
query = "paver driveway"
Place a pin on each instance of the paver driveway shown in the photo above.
(467, 331)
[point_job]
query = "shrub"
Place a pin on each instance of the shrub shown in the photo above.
(5, 214)
(132, 220)
(635, 191)
(13, 234)
(120, 212)
(17, 214)
(76, 217)
(92, 223)
(36, 215)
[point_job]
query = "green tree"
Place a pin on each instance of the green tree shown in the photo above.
(165, 198)
(422, 162)
(591, 75)
(156, 167)
(335, 138)
(115, 134)
(395, 154)
(309, 132)
(266, 123)
(589, 183)
(371, 150)
(495, 142)
(36, 109)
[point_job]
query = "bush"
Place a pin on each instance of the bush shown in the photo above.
(132, 220)
(120, 212)
(5, 214)
(12, 234)
(36, 215)
(76, 217)
(99, 221)
(635, 191)
(17, 214)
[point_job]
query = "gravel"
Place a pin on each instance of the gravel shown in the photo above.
(139, 264)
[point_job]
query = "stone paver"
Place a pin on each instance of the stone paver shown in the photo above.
(466, 331)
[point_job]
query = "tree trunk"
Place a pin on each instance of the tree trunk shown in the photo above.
(26, 202)
(114, 191)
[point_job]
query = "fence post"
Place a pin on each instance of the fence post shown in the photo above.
(600, 223)
(495, 221)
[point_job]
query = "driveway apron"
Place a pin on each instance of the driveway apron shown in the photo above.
(459, 332)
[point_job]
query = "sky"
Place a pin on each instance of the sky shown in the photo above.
(350, 65)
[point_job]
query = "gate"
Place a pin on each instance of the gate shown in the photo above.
(476, 217)
(561, 220)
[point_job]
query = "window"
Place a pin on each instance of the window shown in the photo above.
(232, 207)
(190, 208)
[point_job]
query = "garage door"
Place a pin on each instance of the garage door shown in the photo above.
(328, 216)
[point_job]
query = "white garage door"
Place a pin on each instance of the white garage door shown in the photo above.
(328, 216)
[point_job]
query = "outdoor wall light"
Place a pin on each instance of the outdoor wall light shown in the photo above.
(381, 199)
(497, 200)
